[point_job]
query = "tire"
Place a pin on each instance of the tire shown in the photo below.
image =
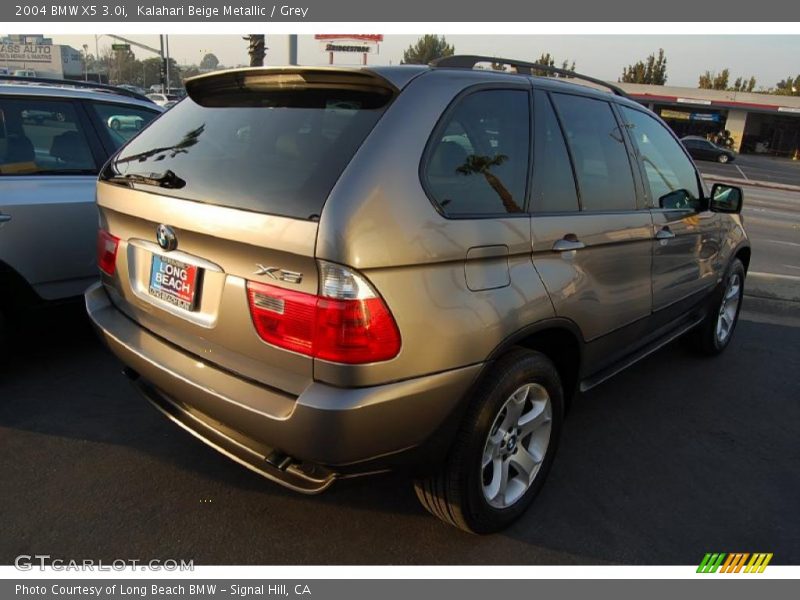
(465, 492)
(114, 125)
(723, 158)
(714, 334)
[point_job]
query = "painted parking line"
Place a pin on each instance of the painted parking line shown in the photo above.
(742, 172)
(774, 276)
(781, 242)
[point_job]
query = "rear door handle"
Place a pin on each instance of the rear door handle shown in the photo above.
(567, 243)
(665, 233)
(5, 218)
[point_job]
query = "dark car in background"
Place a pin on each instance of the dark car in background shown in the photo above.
(702, 149)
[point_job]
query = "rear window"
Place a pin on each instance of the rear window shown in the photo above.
(276, 152)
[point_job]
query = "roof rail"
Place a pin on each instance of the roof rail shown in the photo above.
(468, 61)
(76, 83)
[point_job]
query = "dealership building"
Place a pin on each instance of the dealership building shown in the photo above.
(39, 54)
(758, 123)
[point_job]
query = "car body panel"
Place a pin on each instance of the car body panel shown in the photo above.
(50, 237)
(458, 288)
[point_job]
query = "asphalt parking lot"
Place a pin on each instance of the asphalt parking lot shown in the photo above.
(782, 171)
(676, 457)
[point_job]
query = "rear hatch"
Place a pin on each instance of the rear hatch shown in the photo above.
(224, 189)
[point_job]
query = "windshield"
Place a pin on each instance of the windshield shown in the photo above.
(277, 152)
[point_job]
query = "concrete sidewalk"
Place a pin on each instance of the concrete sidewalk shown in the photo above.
(751, 182)
(772, 298)
(772, 286)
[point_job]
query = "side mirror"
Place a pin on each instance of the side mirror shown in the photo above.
(726, 199)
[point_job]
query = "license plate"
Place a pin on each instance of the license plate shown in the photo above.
(174, 282)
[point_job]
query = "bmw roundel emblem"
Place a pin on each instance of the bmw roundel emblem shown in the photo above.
(165, 237)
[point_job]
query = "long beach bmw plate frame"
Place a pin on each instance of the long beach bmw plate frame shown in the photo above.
(174, 282)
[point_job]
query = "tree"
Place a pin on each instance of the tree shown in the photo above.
(428, 48)
(549, 61)
(652, 71)
(257, 49)
(714, 81)
(477, 164)
(150, 71)
(744, 85)
(209, 61)
(788, 87)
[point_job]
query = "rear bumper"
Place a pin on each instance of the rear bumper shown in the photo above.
(301, 442)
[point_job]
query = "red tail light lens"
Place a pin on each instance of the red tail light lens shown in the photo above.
(347, 323)
(107, 245)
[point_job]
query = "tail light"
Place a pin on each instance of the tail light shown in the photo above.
(107, 245)
(346, 322)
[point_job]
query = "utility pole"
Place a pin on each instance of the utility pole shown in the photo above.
(163, 69)
(293, 49)
(166, 63)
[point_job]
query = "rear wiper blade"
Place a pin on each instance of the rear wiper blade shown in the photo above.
(168, 179)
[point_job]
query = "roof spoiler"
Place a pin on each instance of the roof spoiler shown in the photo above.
(523, 68)
(261, 79)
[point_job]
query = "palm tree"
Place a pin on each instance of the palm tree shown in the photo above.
(257, 49)
(483, 165)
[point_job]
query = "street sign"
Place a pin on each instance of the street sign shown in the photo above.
(121, 47)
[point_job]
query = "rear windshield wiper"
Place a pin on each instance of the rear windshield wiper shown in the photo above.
(168, 179)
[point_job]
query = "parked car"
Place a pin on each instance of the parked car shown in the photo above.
(126, 121)
(53, 140)
(703, 149)
(163, 99)
(24, 73)
(405, 267)
(133, 88)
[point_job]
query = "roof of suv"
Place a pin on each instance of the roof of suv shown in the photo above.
(401, 75)
(8, 87)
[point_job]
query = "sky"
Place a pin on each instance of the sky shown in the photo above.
(769, 58)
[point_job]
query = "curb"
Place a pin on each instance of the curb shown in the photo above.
(772, 286)
(752, 182)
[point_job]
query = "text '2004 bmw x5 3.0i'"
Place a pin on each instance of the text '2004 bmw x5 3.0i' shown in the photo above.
(327, 272)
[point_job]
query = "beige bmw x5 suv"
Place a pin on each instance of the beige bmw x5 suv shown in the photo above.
(329, 272)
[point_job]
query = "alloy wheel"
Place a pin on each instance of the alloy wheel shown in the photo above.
(729, 308)
(516, 445)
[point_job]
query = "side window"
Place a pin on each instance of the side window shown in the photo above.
(478, 162)
(122, 122)
(42, 137)
(670, 174)
(598, 150)
(553, 180)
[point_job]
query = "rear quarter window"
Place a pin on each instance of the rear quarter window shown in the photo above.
(477, 159)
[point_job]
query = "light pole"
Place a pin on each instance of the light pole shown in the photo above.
(86, 62)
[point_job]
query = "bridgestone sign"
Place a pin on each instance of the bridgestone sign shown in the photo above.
(330, 47)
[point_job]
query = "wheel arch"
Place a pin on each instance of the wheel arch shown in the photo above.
(560, 340)
(16, 291)
(743, 253)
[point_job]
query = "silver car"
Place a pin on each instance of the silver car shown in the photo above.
(53, 140)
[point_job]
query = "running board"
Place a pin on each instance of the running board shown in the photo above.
(644, 352)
